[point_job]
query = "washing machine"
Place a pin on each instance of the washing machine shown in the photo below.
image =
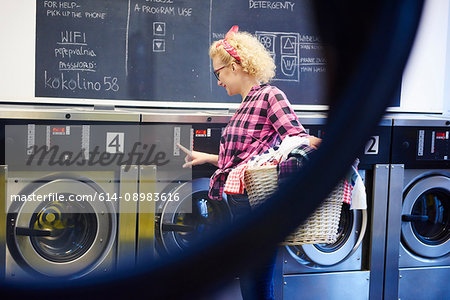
(65, 182)
(418, 239)
(180, 223)
(352, 267)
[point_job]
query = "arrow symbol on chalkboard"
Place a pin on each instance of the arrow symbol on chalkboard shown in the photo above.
(159, 28)
(159, 45)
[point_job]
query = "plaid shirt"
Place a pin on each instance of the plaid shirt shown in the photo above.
(262, 119)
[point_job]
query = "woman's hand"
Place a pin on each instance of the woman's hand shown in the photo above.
(194, 158)
(314, 142)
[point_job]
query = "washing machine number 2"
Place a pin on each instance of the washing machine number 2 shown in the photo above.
(372, 145)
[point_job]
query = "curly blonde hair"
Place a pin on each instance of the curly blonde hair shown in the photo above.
(255, 59)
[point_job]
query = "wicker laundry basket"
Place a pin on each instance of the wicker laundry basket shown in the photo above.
(320, 227)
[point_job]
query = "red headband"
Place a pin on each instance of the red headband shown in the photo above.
(227, 45)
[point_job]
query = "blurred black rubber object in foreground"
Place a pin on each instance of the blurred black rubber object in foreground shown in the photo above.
(367, 48)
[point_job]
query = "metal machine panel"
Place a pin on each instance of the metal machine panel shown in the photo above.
(126, 247)
(417, 243)
(67, 113)
(378, 233)
(422, 143)
(179, 223)
(413, 251)
(393, 232)
(424, 283)
(146, 215)
(191, 117)
(335, 286)
(116, 179)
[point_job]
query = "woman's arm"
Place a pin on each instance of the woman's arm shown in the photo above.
(194, 158)
(314, 142)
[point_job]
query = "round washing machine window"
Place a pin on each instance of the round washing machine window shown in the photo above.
(61, 238)
(73, 226)
(426, 217)
(434, 206)
(182, 223)
(352, 226)
(204, 216)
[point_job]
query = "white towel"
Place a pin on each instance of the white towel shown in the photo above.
(359, 198)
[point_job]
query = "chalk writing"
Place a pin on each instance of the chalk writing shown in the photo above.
(63, 52)
(66, 82)
(163, 10)
(272, 5)
(127, 49)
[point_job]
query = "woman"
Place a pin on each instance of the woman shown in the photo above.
(243, 66)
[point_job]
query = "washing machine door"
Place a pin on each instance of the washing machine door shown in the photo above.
(55, 233)
(352, 227)
(181, 223)
(426, 217)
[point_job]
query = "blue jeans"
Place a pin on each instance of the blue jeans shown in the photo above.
(256, 283)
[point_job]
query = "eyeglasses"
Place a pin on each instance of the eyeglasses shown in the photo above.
(216, 72)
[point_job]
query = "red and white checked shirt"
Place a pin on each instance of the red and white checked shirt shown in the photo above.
(235, 182)
(347, 196)
(263, 119)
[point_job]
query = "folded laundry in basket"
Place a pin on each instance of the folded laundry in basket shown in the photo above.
(278, 153)
(264, 158)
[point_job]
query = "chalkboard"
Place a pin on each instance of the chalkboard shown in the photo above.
(157, 50)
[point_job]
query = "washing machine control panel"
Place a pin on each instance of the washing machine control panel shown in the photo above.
(206, 138)
(433, 144)
(376, 151)
(35, 145)
(421, 147)
(59, 146)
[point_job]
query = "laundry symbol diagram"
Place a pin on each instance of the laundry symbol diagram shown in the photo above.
(288, 65)
(289, 45)
(284, 49)
(268, 40)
